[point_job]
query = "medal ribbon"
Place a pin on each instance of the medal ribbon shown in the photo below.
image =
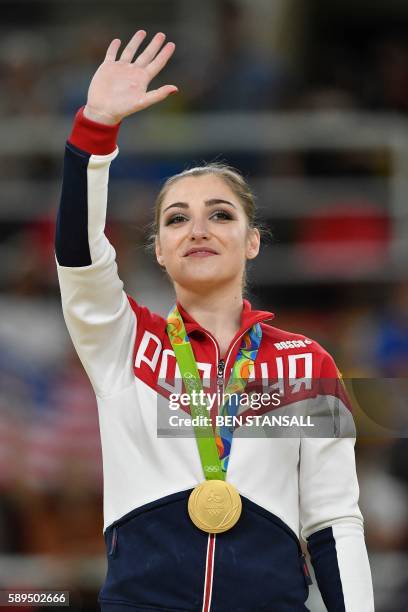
(214, 450)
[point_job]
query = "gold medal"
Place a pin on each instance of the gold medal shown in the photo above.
(214, 506)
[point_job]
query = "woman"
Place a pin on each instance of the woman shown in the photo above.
(162, 554)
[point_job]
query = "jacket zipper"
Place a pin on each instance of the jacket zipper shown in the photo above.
(209, 572)
(220, 374)
(221, 363)
(209, 575)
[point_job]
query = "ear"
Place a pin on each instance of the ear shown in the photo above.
(253, 243)
(158, 251)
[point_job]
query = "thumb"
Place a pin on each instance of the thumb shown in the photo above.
(157, 95)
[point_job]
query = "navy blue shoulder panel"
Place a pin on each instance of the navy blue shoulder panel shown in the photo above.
(157, 561)
(71, 236)
(323, 554)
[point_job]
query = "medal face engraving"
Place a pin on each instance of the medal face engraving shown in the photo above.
(214, 506)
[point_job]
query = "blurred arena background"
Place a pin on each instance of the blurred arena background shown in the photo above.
(310, 101)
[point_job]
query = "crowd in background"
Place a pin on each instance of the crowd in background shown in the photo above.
(50, 458)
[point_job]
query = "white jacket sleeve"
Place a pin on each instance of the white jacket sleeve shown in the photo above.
(331, 521)
(96, 309)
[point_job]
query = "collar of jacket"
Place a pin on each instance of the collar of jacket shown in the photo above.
(248, 318)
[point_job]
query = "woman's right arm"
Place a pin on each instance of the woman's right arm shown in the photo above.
(96, 309)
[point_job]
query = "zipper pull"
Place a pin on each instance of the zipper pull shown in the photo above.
(220, 373)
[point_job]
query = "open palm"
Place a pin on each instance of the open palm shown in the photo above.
(119, 86)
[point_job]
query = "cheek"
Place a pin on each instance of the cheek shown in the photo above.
(168, 244)
(166, 238)
(236, 240)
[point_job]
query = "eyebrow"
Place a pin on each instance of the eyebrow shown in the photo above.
(210, 202)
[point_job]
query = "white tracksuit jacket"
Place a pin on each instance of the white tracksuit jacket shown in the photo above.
(290, 487)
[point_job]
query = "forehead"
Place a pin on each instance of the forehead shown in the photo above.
(193, 188)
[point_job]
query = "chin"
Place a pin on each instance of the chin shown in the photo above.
(205, 276)
(204, 282)
(199, 281)
(199, 271)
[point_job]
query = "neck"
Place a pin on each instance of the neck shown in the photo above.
(219, 311)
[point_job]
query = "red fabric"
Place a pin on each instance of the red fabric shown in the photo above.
(154, 362)
(248, 318)
(93, 137)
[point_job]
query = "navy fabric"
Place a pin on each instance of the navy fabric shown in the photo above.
(258, 566)
(71, 237)
(323, 554)
(125, 607)
(157, 561)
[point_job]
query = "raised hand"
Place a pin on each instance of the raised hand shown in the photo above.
(119, 86)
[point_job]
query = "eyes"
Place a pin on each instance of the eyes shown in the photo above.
(218, 215)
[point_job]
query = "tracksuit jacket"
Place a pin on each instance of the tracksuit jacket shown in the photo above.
(157, 559)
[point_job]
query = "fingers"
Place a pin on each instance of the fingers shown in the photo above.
(150, 58)
(157, 95)
(132, 46)
(151, 50)
(112, 50)
(161, 59)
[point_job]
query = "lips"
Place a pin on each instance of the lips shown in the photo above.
(200, 252)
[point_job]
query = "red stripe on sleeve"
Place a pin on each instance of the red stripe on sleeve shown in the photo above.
(93, 137)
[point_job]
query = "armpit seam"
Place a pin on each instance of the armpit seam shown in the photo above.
(120, 390)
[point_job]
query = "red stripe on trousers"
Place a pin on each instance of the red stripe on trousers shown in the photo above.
(209, 571)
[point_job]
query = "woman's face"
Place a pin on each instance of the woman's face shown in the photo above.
(204, 239)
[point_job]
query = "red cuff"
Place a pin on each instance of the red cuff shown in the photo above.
(93, 137)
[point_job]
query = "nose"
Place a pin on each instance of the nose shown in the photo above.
(199, 229)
